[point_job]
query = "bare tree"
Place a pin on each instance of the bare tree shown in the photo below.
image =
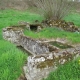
(51, 9)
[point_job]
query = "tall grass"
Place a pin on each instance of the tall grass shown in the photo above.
(11, 61)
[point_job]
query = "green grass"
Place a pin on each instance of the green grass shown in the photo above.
(68, 71)
(11, 58)
(73, 17)
(54, 33)
(11, 61)
(11, 17)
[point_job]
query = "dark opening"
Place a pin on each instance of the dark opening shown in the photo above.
(60, 45)
(33, 27)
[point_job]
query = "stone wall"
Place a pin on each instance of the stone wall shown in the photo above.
(39, 66)
(33, 46)
(12, 34)
(16, 36)
(44, 59)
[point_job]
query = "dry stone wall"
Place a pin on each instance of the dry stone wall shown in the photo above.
(40, 66)
(16, 36)
(33, 46)
(12, 34)
(44, 59)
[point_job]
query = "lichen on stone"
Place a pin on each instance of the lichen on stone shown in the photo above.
(46, 63)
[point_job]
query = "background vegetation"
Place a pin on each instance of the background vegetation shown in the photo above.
(51, 9)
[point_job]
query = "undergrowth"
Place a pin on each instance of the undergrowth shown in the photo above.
(11, 61)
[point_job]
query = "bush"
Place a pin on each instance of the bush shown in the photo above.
(51, 9)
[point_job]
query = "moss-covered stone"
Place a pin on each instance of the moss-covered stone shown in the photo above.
(67, 26)
(46, 63)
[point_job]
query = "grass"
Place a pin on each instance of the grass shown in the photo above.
(11, 61)
(54, 33)
(12, 17)
(68, 71)
(73, 17)
(11, 58)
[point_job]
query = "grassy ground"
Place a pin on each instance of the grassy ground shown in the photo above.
(12, 59)
(73, 17)
(54, 33)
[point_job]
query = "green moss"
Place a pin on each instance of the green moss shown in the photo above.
(46, 63)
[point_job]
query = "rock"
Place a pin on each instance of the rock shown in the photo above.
(12, 34)
(61, 24)
(33, 27)
(27, 24)
(17, 37)
(39, 66)
(22, 77)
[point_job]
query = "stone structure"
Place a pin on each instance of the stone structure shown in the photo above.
(17, 37)
(44, 59)
(39, 66)
(12, 34)
(62, 24)
(33, 27)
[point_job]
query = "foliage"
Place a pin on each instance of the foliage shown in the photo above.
(11, 61)
(51, 9)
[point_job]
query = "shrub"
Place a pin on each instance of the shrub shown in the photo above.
(51, 9)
